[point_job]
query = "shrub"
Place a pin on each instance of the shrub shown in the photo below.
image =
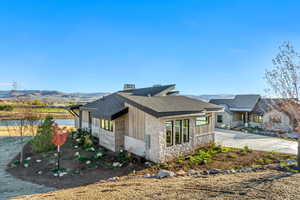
(42, 142)
(199, 157)
(83, 138)
(124, 157)
(232, 155)
(246, 149)
(6, 108)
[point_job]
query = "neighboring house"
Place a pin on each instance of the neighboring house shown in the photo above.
(253, 111)
(155, 122)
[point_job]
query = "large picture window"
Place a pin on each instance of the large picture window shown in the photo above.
(201, 121)
(186, 130)
(106, 124)
(257, 119)
(177, 132)
(169, 133)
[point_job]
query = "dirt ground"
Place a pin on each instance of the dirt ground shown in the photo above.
(255, 185)
(84, 175)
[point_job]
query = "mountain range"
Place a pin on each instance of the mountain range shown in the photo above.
(57, 96)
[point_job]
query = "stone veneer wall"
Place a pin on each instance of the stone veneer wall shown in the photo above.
(196, 141)
(154, 130)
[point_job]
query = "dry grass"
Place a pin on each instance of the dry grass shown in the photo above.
(12, 131)
(254, 185)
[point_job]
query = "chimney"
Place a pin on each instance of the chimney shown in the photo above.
(129, 86)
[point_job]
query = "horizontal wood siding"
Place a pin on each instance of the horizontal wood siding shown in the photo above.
(136, 120)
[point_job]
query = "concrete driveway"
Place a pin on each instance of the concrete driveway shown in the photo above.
(257, 142)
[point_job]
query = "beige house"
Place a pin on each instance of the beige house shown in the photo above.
(253, 111)
(155, 122)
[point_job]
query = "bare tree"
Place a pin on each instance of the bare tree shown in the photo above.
(25, 125)
(284, 81)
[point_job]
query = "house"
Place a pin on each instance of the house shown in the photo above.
(155, 122)
(253, 111)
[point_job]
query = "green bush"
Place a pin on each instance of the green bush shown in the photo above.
(83, 138)
(6, 108)
(200, 157)
(42, 142)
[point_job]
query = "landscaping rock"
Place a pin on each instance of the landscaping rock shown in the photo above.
(214, 171)
(164, 173)
(181, 173)
(192, 172)
(88, 162)
(227, 171)
(113, 179)
(62, 174)
(117, 164)
(147, 176)
(291, 161)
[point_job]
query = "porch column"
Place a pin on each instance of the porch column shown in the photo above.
(246, 119)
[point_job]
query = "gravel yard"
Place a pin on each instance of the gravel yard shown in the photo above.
(10, 186)
(255, 185)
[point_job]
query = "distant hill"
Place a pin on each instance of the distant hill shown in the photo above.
(61, 97)
(207, 97)
(50, 96)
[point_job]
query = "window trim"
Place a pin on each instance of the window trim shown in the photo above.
(182, 133)
(207, 121)
(106, 125)
(172, 134)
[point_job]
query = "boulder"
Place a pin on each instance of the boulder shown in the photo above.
(164, 173)
(214, 171)
(181, 173)
(147, 176)
(113, 179)
(192, 172)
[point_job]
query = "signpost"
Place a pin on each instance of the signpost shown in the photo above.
(60, 136)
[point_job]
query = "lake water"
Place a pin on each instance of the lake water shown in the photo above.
(62, 122)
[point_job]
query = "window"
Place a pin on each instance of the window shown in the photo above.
(178, 131)
(102, 124)
(257, 119)
(110, 125)
(106, 124)
(169, 133)
(185, 130)
(200, 121)
(275, 119)
(220, 118)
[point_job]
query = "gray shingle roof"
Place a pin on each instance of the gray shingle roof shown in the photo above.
(239, 103)
(161, 106)
(158, 103)
(266, 104)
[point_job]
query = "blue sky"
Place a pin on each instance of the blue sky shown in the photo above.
(205, 47)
